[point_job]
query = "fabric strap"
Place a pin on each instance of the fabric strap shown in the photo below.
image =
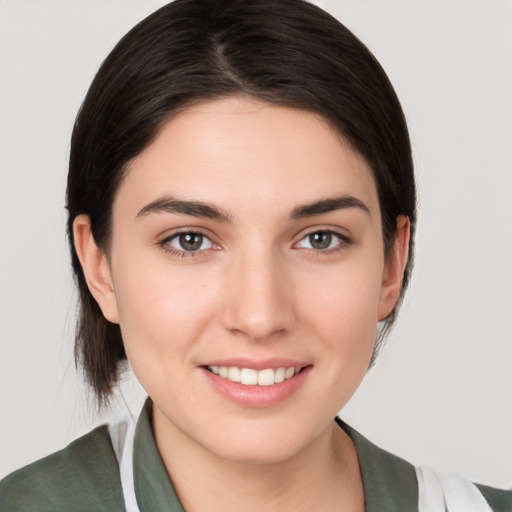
(122, 433)
(439, 492)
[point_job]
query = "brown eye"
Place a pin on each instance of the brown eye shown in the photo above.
(323, 240)
(189, 242)
(320, 240)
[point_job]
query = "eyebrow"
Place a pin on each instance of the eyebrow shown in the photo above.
(177, 206)
(328, 205)
(209, 211)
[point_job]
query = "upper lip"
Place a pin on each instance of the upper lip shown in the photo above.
(258, 364)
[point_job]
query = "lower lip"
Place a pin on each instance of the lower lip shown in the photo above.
(257, 396)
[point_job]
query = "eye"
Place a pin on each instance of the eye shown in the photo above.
(188, 242)
(322, 240)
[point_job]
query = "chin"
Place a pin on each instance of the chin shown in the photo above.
(260, 446)
(259, 454)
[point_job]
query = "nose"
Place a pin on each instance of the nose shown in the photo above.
(259, 301)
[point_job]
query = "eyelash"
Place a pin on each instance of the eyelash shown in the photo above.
(342, 244)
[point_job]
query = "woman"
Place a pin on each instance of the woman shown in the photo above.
(241, 216)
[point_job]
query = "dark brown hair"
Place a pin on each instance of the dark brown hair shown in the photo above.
(286, 52)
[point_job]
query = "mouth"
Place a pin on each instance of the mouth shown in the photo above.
(257, 384)
(252, 377)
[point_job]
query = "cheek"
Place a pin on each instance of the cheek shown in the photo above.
(162, 310)
(343, 299)
(342, 306)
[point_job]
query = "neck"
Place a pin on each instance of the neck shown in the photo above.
(324, 475)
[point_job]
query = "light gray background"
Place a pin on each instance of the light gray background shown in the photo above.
(441, 392)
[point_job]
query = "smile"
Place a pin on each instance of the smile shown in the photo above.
(251, 377)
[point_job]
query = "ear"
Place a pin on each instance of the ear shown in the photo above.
(96, 268)
(394, 267)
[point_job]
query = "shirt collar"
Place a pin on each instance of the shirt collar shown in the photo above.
(390, 482)
(153, 488)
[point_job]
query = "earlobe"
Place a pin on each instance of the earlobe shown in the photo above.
(394, 268)
(95, 267)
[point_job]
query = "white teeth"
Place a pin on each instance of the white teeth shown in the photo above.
(266, 377)
(234, 374)
(251, 377)
(248, 377)
(280, 375)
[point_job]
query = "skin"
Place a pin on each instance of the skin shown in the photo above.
(257, 288)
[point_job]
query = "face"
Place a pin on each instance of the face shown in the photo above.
(246, 246)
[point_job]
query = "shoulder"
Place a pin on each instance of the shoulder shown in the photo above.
(499, 500)
(82, 476)
(391, 483)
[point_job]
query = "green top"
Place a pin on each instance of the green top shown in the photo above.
(85, 477)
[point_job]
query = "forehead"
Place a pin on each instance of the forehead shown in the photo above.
(242, 152)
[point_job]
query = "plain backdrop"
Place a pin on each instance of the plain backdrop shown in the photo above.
(440, 394)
